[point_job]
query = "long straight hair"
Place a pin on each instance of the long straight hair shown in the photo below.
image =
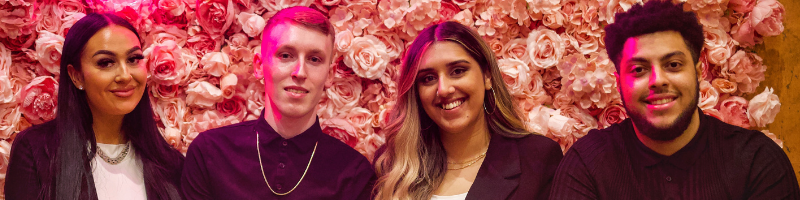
(71, 176)
(414, 162)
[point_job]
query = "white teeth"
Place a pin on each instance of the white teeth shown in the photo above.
(296, 91)
(452, 105)
(662, 101)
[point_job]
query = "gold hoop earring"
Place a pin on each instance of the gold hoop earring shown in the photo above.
(494, 98)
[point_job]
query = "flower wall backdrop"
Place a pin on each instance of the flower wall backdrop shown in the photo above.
(551, 52)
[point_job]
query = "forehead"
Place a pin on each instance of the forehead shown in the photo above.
(443, 52)
(654, 45)
(290, 34)
(112, 38)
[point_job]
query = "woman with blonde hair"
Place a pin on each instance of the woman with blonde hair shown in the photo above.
(454, 133)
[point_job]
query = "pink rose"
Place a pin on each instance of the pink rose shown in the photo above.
(537, 119)
(9, 117)
(203, 94)
(373, 97)
(367, 57)
(216, 16)
(165, 91)
(172, 7)
(495, 45)
(254, 94)
(744, 33)
(561, 126)
(516, 75)
(48, 49)
(215, 63)
(586, 37)
(742, 6)
(165, 14)
(545, 6)
(49, 19)
(490, 21)
(714, 113)
(361, 119)
(611, 115)
(207, 120)
(420, 14)
(68, 21)
(252, 24)
(724, 86)
(588, 82)
(554, 20)
(708, 95)
(70, 7)
(233, 107)
(746, 69)
(767, 18)
(280, 5)
(545, 48)
(369, 144)
(5, 60)
(171, 112)
(517, 10)
(5, 157)
(238, 40)
(340, 129)
(228, 85)
(6, 90)
(517, 49)
(734, 109)
(465, 4)
(17, 18)
(343, 41)
(584, 121)
(465, 17)
(763, 108)
(165, 63)
(344, 93)
(447, 11)
(614, 6)
(163, 33)
(773, 137)
(173, 136)
(38, 100)
(392, 12)
(201, 43)
(18, 43)
(394, 45)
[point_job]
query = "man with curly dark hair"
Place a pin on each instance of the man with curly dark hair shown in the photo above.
(668, 149)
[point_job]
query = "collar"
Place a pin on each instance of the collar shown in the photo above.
(499, 173)
(304, 141)
(683, 158)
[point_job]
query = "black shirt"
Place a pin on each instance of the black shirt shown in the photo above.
(722, 161)
(223, 163)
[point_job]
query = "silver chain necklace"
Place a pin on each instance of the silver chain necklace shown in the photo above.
(116, 160)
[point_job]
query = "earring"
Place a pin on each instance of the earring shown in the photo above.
(494, 97)
(80, 87)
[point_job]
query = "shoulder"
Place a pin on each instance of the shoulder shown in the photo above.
(537, 144)
(341, 151)
(37, 135)
(739, 141)
(224, 133)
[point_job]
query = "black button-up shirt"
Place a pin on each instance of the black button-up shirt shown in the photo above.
(223, 164)
(721, 162)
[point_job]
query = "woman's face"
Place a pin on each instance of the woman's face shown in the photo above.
(451, 87)
(111, 72)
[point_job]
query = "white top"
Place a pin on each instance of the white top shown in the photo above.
(123, 181)
(453, 197)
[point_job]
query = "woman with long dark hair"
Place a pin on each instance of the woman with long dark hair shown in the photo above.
(454, 133)
(103, 143)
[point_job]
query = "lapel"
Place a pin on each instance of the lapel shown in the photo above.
(499, 173)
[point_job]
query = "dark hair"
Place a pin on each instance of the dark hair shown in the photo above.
(71, 176)
(303, 16)
(654, 16)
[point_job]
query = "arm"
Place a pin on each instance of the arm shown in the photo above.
(22, 180)
(572, 179)
(194, 183)
(771, 174)
(362, 182)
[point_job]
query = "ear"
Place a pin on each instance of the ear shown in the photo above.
(487, 81)
(258, 70)
(616, 77)
(698, 68)
(75, 76)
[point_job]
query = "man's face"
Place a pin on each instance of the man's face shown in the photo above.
(295, 63)
(658, 84)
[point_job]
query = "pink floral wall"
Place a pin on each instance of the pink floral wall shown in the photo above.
(551, 52)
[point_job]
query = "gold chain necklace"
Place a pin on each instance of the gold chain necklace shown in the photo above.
(265, 176)
(470, 160)
(465, 166)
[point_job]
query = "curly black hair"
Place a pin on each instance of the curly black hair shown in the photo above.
(653, 16)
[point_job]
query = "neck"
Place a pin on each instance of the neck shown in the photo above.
(668, 148)
(468, 143)
(108, 128)
(287, 127)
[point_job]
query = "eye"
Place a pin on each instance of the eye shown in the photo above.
(459, 71)
(674, 65)
(135, 59)
(284, 55)
(639, 70)
(105, 63)
(427, 79)
(315, 59)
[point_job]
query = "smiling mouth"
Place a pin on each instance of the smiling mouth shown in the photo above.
(296, 91)
(660, 101)
(452, 105)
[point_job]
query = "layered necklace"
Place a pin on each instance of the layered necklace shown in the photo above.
(117, 159)
(265, 176)
(467, 163)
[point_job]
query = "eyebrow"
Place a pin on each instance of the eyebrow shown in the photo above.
(107, 52)
(665, 57)
(450, 64)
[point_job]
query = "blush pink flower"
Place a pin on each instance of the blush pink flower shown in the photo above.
(465, 17)
(340, 129)
(163, 33)
(516, 75)
(490, 21)
(171, 112)
(254, 95)
(763, 108)
(9, 117)
(369, 144)
(233, 107)
(734, 109)
(215, 63)
(588, 82)
(773, 137)
(252, 24)
(611, 115)
(173, 7)
(165, 63)
(343, 41)
(420, 14)
(361, 119)
(517, 49)
(20, 42)
(17, 18)
(6, 90)
(767, 17)
(344, 93)
(742, 6)
(709, 96)
(281, 4)
(200, 44)
(367, 57)
(392, 12)
(165, 91)
(545, 48)
(714, 113)
(48, 51)
(746, 69)
(203, 94)
(68, 21)
(207, 120)
(49, 19)
(537, 119)
(216, 16)
(724, 86)
(38, 100)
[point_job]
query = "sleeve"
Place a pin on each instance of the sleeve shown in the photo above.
(22, 181)
(194, 178)
(771, 174)
(572, 179)
(361, 183)
(552, 158)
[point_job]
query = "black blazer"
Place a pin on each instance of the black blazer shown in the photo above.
(517, 168)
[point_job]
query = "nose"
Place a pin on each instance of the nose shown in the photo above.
(658, 79)
(124, 74)
(445, 88)
(299, 70)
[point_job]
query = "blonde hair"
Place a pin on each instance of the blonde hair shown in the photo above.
(413, 163)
